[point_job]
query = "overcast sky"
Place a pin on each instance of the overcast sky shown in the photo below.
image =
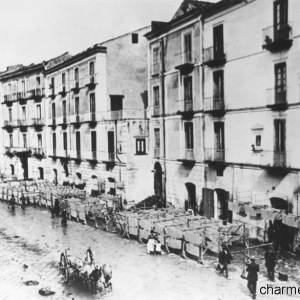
(36, 30)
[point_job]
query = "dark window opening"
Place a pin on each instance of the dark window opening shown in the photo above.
(11, 140)
(220, 171)
(24, 141)
(157, 138)
(258, 141)
(12, 170)
(140, 146)
(92, 68)
(218, 78)
(280, 83)
(188, 47)
(116, 102)
(54, 142)
(92, 103)
(156, 101)
(41, 173)
(78, 141)
(65, 140)
(77, 106)
(218, 41)
(39, 137)
(93, 141)
(189, 137)
(188, 88)
(219, 135)
(134, 38)
(53, 111)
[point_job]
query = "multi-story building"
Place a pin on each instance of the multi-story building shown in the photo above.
(97, 118)
(23, 115)
(243, 117)
(175, 93)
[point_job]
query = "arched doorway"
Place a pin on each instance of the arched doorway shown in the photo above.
(158, 187)
(191, 202)
(222, 212)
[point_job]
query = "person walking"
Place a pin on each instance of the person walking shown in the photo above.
(224, 260)
(270, 263)
(252, 269)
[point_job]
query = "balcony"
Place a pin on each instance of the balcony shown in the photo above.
(38, 152)
(91, 84)
(62, 121)
(53, 154)
(37, 94)
(277, 98)
(156, 152)
(155, 70)
(187, 157)
(92, 156)
(186, 109)
(214, 58)
(278, 37)
(8, 125)
(187, 64)
(20, 151)
(7, 100)
(156, 111)
(21, 97)
(23, 124)
(215, 106)
(116, 115)
(52, 123)
(92, 119)
(277, 160)
(75, 89)
(38, 123)
(9, 151)
(214, 155)
(63, 91)
(75, 120)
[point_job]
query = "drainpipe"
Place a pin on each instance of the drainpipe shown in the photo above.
(163, 116)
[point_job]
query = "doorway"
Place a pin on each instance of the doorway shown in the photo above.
(158, 186)
(191, 202)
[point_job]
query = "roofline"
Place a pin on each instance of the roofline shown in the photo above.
(77, 57)
(124, 34)
(23, 71)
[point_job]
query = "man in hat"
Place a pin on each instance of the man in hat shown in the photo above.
(252, 269)
(270, 263)
(224, 260)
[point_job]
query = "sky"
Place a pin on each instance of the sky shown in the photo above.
(35, 30)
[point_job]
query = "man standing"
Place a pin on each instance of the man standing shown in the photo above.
(270, 263)
(224, 260)
(252, 269)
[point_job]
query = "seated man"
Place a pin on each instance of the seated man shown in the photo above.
(94, 277)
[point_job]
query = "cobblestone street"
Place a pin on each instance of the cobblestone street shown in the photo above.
(31, 237)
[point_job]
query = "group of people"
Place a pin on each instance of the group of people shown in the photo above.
(57, 210)
(252, 268)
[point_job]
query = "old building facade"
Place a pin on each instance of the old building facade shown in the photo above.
(23, 115)
(239, 134)
(91, 110)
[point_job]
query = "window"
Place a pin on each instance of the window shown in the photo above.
(187, 47)
(52, 86)
(157, 138)
(78, 141)
(188, 88)
(155, 60)
(280, 82)
(23, 86)
(279, 145)
(38, 81)
(77, 106)
(38, 112)
(93, 141)
(280, 18)
(116, 102)
(219, 135)
(10, 114)
(76, 76)
(258, 140)
(10, 140)
(218, 41)
(92, 68)
(23, 112)
(24, 141)
(12, 170)
(54, 142)
(134, 38)
(65, 140)
(92, 103)
(41, 173)
(156, 100)
(64, 109)
(63, 80)
(140, 146)
(53, 111)
(189, 136)
(218, 78)
(40, 144)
